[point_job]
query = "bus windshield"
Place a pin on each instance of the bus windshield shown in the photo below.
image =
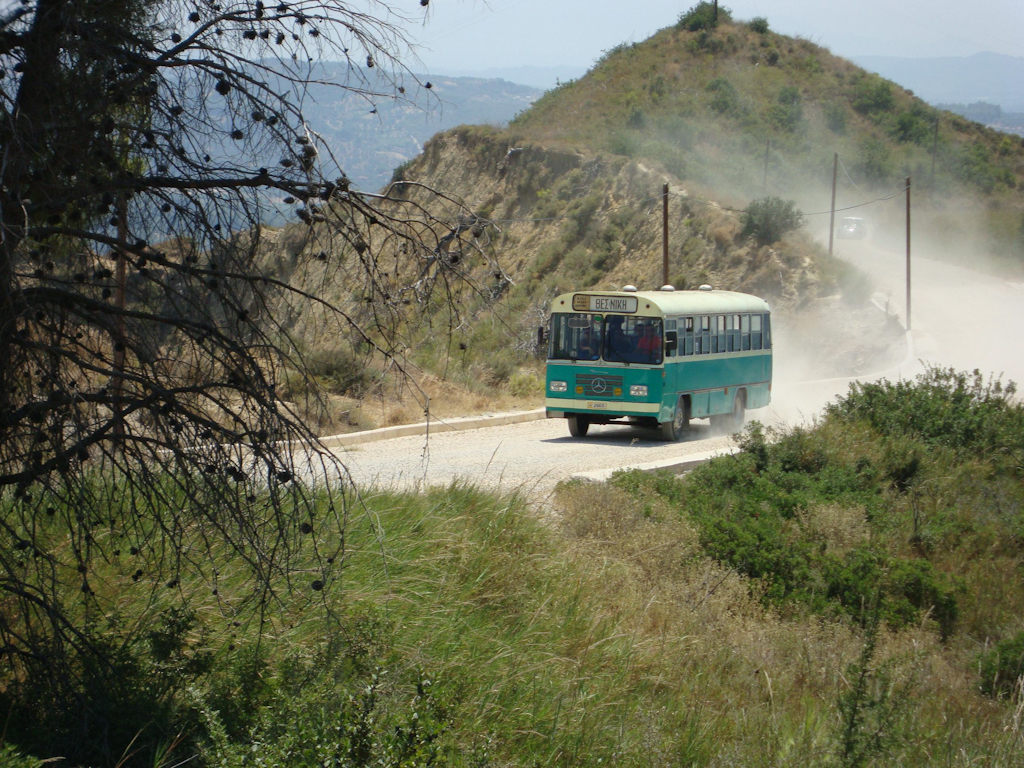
(631, 339)
(616, 338)
(574, 337)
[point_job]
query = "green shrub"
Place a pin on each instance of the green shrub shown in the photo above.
(315, 716)
(11, 757)
(759, 24)
(872, 95)
(835, 117)
(911, 127)
(340, 370)
(900, 589)
(750, 510)
(787, 112)
(525, 384)
(871, 706)
(635, 118)
(703, 16)
(1001, 667)
(941, 407)
(976, 165)
(875, 162)
(124, 688)
(724, 99)
(769, 219)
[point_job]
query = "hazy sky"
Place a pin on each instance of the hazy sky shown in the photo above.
(473, 35)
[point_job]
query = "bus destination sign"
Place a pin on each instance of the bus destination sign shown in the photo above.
(582, 302)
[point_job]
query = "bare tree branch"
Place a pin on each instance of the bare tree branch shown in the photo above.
(146, 319)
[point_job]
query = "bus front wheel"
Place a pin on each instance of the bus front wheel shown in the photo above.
(673, 430)
(578, 425)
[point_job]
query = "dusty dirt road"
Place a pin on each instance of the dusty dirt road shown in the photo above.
(961, 318)
(532, 456)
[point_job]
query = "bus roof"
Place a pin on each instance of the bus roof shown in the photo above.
(696, 302)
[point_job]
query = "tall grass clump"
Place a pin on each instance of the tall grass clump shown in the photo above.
(457, 632)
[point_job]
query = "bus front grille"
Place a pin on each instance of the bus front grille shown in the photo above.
(599, 385)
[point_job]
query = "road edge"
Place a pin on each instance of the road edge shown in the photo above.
(432, 425)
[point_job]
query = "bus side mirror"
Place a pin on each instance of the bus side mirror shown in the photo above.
(671, 342)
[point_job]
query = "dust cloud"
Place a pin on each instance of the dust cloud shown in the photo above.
(965, 313)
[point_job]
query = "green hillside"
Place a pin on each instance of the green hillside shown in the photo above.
(743, 111)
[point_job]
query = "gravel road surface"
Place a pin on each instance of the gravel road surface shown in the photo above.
(532, 455)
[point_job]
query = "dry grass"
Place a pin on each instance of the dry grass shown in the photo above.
(770, 683)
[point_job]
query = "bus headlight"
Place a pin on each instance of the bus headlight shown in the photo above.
(638, 390)
(558, 386)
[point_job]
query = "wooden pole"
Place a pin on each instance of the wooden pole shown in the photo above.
(664, 234)
(908, 253)
(832, 210)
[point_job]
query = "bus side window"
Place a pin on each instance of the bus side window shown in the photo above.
(755, 331)
(732, 329)
(745, 331)
(705, 335)
(719, 346)
(671, 337)
(688, 336)
(767, 331)
(671, 343)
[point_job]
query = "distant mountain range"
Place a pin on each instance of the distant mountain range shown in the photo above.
(372, 138)
(989, 77)
(968, 85)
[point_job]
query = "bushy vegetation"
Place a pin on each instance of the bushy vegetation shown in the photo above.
(753, 512)
(759, 24)
(769, 219)
(1001, 668)
(703, 16)
(967, 412)
(822, 597)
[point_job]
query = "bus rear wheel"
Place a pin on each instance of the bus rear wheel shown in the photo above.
(732, 422)
(578, 425)
(673, 430)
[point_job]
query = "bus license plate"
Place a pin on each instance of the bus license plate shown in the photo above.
(597, 406)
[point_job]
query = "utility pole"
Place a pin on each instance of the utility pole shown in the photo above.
(664, 234)
(832, 210)
(908, 253)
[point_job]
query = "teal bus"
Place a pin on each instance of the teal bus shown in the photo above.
(657, 358)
